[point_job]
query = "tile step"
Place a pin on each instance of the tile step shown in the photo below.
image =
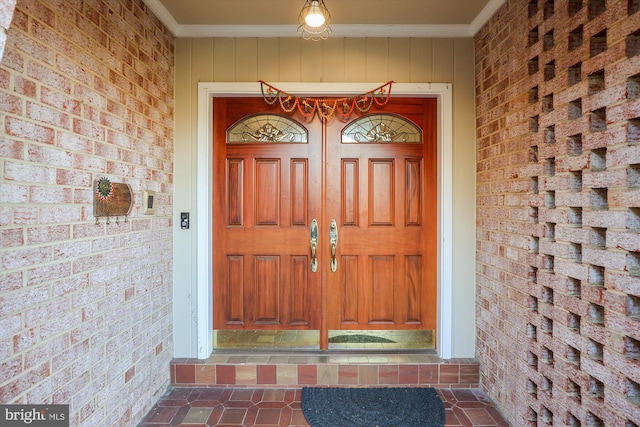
(296, 370)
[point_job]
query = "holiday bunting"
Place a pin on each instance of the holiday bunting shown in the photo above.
(326, 107)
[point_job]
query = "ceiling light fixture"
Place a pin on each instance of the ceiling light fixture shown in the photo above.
(314, 20)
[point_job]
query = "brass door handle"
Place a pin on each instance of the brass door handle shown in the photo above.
(313, 242)
(333, 242)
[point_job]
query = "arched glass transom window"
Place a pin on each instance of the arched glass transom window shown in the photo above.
(266, 128)
(381, 129)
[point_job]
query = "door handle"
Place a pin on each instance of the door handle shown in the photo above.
(313, 241)
(333, 242)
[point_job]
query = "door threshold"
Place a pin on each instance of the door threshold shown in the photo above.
(317, 352)
(417, 341)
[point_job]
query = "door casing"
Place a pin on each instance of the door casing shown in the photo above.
(203, 289)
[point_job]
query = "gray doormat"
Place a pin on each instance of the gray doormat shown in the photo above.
(372, 407)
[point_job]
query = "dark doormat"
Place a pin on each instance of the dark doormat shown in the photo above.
(372, 407)
(358, 338)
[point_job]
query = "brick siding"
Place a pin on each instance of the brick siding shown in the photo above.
(86, 89)
(558, 214)
(6, 14)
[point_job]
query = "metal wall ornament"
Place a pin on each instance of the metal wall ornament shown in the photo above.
(326, 107)
(111, 200)
(104, 189)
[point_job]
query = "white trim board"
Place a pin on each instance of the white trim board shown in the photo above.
(206, 93)
(344, 30)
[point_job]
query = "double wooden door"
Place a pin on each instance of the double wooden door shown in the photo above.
(324, 226)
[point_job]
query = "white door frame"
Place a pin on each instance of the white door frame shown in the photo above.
(204, 189)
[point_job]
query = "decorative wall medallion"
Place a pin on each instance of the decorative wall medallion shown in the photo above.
(104, 189)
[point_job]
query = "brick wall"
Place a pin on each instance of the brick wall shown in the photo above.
(558, 215)
(86, 89)
(6, 14)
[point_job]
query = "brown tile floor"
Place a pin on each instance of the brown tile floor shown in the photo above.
(228, 407)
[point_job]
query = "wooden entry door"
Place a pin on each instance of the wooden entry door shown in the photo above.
(381, 189)
(375, 176)
(267, 191)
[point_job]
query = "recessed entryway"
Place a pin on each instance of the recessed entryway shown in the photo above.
(202, 290)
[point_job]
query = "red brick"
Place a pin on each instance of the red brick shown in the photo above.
(623, 156)
(266, 374)
(429, 374)
(29, 173)
(11, 237)
(18, 301)
(29, 130)
(307, 374)
(5, 79)
(347, 374)
(39, 235)
(129, 374)
(11, 282)
(88, 129)
(388, 374)
(89, 163)
(624, 198)
(624, 240)
(408, 374)
(48, 155)
(54, 83)
(73, 178)
(11, 104)
(49, 272)
(58, 195)
(45, 34)
(225, 374)
(505, 305)
(60, 101)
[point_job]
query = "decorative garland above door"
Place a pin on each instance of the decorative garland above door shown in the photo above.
(325, 107)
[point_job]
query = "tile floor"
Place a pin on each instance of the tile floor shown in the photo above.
(299, 369)
(197, 407)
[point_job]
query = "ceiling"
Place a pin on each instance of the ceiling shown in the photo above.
(349, 18)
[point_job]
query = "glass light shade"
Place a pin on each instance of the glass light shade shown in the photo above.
(314, 20)
(314, 17)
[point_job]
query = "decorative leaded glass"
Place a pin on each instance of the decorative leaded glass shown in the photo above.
(380, 129)
(266, 128)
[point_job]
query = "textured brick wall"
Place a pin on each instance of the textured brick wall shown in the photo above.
(6, 13)
(86, 91)
(558, 216)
